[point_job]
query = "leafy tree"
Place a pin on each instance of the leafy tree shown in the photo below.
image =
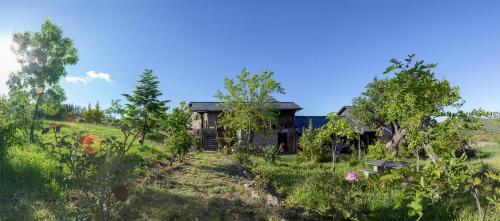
(409, 102)
(249, 102)
(15, 111)
(98, 114)
(336, 129)
(144, 107)
(180, 138)
(312, 150)
(43, 57)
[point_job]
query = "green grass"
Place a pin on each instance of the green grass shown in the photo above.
(490, 155)
(205, 187)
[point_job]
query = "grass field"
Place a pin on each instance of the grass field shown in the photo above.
(207, 186)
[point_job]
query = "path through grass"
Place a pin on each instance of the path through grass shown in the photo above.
(206, 187)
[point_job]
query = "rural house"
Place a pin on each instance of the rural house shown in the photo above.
(205, 122)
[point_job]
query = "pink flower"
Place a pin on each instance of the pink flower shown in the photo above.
(352, 176)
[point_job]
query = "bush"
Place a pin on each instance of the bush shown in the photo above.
(328, 195)
(271, 153)
(178, 145)
(242, 156)
(97, 167)
(312, 150)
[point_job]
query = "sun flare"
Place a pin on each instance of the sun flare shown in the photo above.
(8, 62)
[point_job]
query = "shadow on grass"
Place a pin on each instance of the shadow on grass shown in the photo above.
(160, 204)
(29, 186)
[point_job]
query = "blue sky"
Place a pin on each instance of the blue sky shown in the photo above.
(323, 52)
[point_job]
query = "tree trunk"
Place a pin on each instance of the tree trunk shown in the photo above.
(142, 138)
(418, 161)
(334, 152)
(475, 194)
(33, 122)
(431, 154)
(397, 137)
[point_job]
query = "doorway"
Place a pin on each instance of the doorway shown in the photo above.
(283, 140)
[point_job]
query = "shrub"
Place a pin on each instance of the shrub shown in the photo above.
(312, 150)
(242, 156)
(178, 145)
(271, 153)
(328, 195)
(98, 168)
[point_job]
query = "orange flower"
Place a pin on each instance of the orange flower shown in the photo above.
(89, 143)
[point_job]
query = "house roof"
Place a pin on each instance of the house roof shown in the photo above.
(214, 106)
(360, 128)
(302, 122)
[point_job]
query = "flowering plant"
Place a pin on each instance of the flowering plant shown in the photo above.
(352, 176)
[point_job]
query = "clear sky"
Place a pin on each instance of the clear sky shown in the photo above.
(323, 52)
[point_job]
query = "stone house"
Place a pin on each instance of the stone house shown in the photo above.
(205, 123)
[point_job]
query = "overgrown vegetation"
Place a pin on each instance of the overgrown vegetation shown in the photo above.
(89, 171)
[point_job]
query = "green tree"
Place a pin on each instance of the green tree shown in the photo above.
(409, 102)
(336, 130)
(88, 114)
(98, 114)
(180, 138)
(249, 102)
(144, 107)
(312, 150)
(43, 57)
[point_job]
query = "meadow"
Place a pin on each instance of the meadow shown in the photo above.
(207, 185)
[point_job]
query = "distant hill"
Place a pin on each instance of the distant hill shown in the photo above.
(490, 132)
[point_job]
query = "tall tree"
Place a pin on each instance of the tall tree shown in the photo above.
(98, 114)
(88, 114)
(409, 102)
(144, 107)
(43, 57)
(249, 102)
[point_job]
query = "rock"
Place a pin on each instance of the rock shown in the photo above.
(272, 200)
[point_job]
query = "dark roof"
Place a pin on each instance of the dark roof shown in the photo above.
(302, 122)
(214, 106)
(360, 128)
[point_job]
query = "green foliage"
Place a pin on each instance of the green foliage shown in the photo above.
(441, 184)
(14, 122)
(242, 156)
(98, 168)
(271, 153)
(312, 149)
(43, 57)
(144, 108)
(249, 102)
(180, 138)
(409, 102)
(378, 151)
(337, 127)
(98, 114)
(332, 197)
